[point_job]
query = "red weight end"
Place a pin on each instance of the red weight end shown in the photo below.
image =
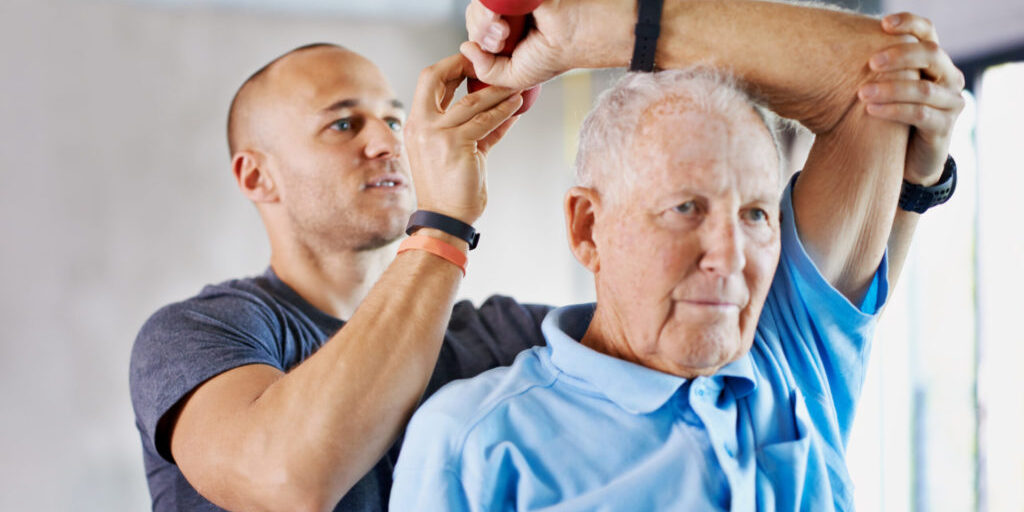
(512, 7)
(529, 98)
(475, 85)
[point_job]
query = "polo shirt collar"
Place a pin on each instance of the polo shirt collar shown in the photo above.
(635, 388)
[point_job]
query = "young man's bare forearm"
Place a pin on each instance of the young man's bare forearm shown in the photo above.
(306, 437)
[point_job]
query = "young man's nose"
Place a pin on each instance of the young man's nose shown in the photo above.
(381, 140)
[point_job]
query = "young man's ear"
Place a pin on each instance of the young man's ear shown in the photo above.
(252, 178)
(581, 207)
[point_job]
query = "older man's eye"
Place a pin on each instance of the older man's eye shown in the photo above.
(686, 208)
(342, 125)
(757, 215)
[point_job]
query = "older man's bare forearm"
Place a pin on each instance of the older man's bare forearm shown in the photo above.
(845, 200)
(805, 62)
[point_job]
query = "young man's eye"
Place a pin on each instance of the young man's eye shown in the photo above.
(394, 124)
(342, 125)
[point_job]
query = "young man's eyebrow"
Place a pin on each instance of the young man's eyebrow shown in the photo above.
(351, 102)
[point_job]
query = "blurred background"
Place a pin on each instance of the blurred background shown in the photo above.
(116, 198)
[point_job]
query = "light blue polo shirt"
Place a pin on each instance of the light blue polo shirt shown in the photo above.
(567, 428)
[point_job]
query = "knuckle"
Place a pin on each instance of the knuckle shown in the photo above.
(959, 104)
(427, 74)
(919, 114)
(931, 46)
(925, 88)
(471, 101)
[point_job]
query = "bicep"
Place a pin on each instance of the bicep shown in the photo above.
(205, 432)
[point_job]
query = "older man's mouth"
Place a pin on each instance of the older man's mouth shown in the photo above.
(712, 304)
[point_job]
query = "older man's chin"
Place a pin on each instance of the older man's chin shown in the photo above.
(707, 354)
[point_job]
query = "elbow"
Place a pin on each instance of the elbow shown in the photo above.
(280, 488)
(267, 486)
(851, 56)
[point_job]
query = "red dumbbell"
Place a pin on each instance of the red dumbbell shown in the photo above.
(515, 13)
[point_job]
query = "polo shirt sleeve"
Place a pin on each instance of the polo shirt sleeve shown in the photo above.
(427, 475)
(185, 344)
(815, 334)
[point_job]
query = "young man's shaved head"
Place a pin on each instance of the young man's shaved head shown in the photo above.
(242, 102)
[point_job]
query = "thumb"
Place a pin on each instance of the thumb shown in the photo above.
(489, 68)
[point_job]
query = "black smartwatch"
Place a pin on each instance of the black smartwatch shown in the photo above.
(450, 225)
(918, 199)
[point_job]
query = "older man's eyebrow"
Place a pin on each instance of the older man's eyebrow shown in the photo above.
(352, 102)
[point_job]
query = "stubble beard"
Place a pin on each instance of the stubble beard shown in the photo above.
(349, 231)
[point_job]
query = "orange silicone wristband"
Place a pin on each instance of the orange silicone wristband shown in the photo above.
(436, 247)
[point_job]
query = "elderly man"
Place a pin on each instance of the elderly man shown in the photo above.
(721, 365)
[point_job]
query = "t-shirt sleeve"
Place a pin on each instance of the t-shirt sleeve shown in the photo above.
(503, 325)
(184, 344)
(815, 331)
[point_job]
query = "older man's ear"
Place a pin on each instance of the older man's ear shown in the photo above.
(581, 207)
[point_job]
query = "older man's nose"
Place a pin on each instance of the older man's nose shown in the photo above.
(381, 140)
(723, 248)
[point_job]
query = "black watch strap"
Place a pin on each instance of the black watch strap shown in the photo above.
(918, 199)
(450, 225)
(648, 27)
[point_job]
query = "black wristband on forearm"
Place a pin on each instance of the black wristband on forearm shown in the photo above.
(450, 225)
(648, 27)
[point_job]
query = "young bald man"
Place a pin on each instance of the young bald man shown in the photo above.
(288, 390)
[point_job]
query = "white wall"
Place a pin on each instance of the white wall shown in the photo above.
(116, 198)
(967, 29)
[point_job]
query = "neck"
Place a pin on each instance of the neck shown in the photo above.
(607, 334)
(333, 283)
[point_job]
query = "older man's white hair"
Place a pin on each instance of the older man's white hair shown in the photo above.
(606, 137)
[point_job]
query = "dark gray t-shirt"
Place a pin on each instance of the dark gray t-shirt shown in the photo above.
(260, 320)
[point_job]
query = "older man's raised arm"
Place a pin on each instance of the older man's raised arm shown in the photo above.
(818, 56)
(846, 203)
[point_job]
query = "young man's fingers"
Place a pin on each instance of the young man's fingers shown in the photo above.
(484, 123)
(437, 84)
(467, 107)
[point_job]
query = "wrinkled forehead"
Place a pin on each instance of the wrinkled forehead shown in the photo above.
(680, 145)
